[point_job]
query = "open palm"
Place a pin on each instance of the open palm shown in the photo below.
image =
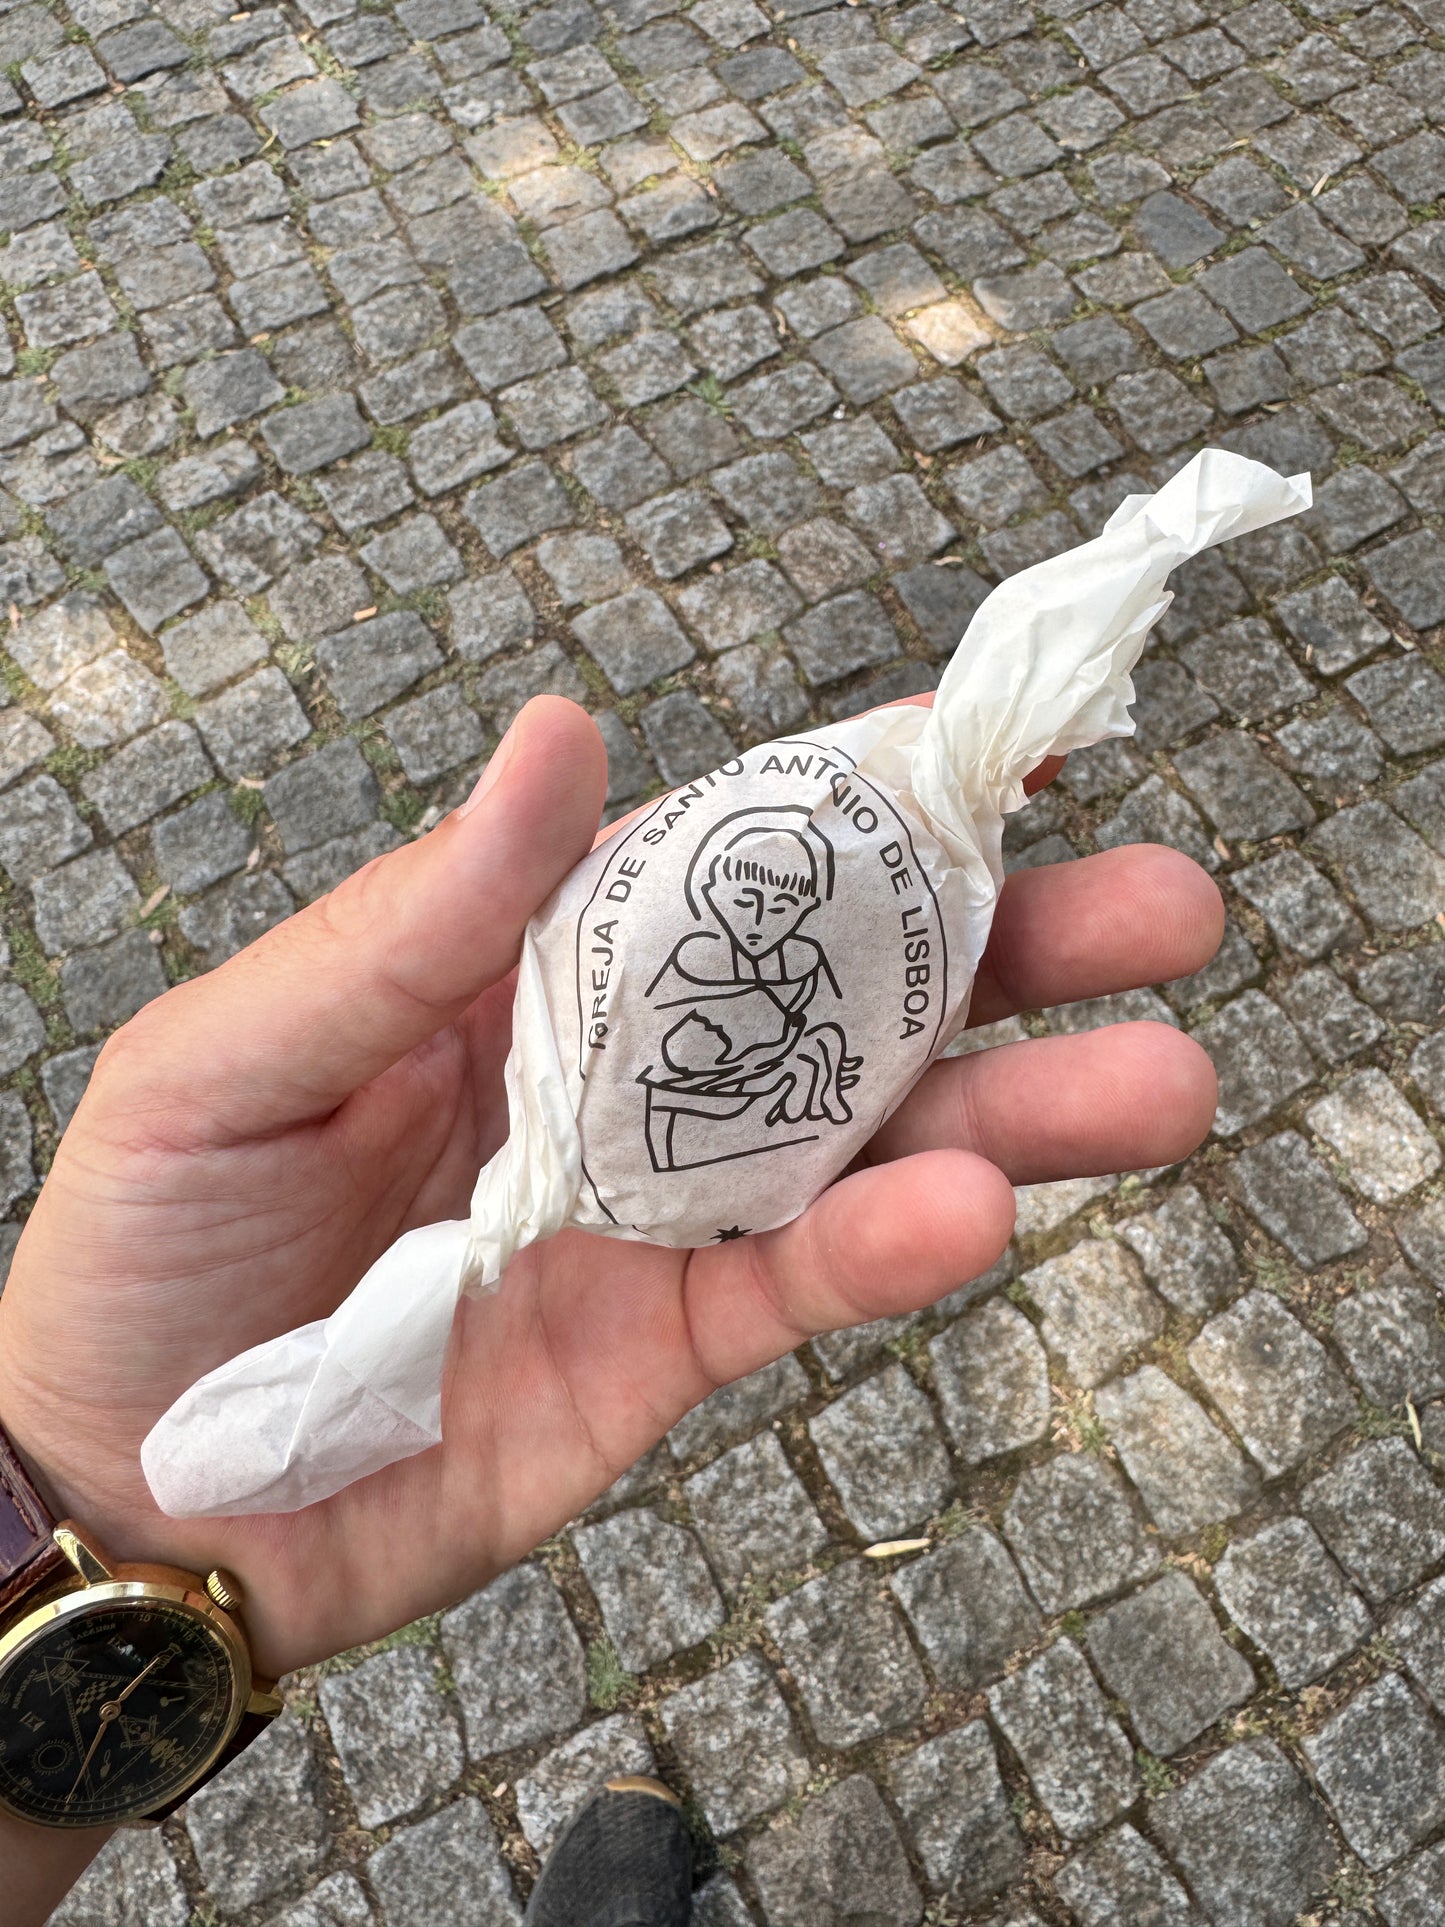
(254, 1139)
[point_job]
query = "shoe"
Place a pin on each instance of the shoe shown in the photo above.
(625, 1861)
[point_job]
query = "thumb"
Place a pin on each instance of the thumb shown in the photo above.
(289, 1027)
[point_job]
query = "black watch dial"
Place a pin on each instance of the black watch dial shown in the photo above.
(109, 1712)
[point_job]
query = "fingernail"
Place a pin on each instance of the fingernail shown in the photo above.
(498, 761)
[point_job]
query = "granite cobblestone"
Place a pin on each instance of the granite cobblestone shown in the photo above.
(368, 367)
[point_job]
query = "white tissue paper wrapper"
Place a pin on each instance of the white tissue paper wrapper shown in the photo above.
(720, 1005)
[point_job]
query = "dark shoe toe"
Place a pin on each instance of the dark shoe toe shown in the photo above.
(625, 1861)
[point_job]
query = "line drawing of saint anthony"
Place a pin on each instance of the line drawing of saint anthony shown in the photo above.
(747, 1064)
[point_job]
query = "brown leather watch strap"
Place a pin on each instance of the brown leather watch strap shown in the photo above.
(28, 1554)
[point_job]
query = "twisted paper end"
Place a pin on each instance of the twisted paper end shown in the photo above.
(295, 1420)
(292, 1421)
(1045, 665)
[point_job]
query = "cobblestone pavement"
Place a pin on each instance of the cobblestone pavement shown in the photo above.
(371, 369)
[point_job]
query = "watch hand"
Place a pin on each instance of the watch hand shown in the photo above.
(111, 1711)
(106, 1716)
(159, 1660)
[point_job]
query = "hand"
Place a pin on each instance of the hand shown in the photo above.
(252, 1140)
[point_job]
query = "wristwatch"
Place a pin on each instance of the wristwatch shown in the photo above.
(122, 1688)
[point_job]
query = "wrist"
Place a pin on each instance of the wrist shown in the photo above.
(41, 1865)
(47, 1426)
(107, 1518)
(75, 1433)
(67, 1448)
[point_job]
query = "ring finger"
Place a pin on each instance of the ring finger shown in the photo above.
(1118, 1099)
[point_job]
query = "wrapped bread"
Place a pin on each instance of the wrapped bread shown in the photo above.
(721, 1004)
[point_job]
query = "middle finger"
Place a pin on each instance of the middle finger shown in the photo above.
(1143, 914)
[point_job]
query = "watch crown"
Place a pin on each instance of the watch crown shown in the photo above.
(225, 1590)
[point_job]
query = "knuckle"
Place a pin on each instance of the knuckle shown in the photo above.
(361, 906)
(138, 1047)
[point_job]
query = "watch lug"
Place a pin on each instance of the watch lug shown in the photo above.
(266, 1701)
(85, 1558)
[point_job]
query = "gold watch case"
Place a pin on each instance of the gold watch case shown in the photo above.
(103, 1588)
